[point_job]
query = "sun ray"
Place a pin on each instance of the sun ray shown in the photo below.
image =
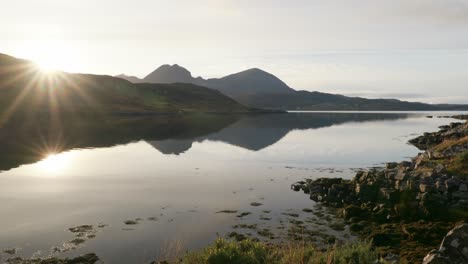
(24, 92)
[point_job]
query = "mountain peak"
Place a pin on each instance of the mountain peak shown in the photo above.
(254, 81)
(169, 74)
(255, 70)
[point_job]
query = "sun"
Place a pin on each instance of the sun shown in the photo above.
(52, 55)
(46, 67)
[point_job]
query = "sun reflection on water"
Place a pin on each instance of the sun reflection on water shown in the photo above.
(55, 164)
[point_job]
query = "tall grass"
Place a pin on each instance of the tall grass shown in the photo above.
(250, 252)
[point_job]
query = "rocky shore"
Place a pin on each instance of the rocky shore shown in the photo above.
(406, 208)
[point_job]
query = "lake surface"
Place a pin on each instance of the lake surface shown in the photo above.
(173, 176)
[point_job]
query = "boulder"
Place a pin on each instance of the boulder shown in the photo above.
(406, 163)
(440, 186)
(367, 192)
(453, 249)
(353, 211)
(401, 174)
(463, 188)
(425, 187)
(452, 184)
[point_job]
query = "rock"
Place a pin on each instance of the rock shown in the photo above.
(391, 258)
(367, 192)
(356, 227)
(433, 204)
(352, 211)
(10, 251)
(389, 194)
(440, 186)
(391, 165)
(386, 239)
(427, 175)
(463, 188)
(82, 229)
(401, 174)
(227, 212)
(390, 174)
(131, 222)
(243, 214)
(434, 257)
(419, 160)
(424, 187)
(406, 164)
(90, 258)
(453, 249)
(460, 195)
(296, 187)
(452, 184)
(439, 168)
(382, 215)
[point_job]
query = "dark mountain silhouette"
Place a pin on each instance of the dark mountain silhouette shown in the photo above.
(25, 90)
(259, 89)
(169, 74)
(250, 82)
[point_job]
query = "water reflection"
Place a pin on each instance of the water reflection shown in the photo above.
(28, 142)
(257, 132)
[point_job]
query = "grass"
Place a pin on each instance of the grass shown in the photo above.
(459, 165)
(251, 252)
(450, 143)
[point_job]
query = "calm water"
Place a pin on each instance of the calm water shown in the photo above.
(180, 172)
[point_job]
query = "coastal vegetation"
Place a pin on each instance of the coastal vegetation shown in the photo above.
(251, 252)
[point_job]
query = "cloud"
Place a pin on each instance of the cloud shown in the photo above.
(454, 12)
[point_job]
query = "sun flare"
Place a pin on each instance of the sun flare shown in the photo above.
(52, 55)
(55, 163)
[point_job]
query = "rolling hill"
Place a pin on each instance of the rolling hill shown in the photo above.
(24, 89)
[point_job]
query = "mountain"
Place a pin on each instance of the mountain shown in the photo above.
(169, 74)
(260, 89)
(317, 101)
(27, 91)
(129, 78)
(250, 82)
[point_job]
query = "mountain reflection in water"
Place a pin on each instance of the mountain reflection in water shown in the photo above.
(28, 142)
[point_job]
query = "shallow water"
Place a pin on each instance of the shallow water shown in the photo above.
(108, 177)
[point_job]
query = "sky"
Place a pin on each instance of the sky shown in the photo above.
(414, 50)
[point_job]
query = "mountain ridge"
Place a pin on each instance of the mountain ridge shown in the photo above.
(257, 88)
